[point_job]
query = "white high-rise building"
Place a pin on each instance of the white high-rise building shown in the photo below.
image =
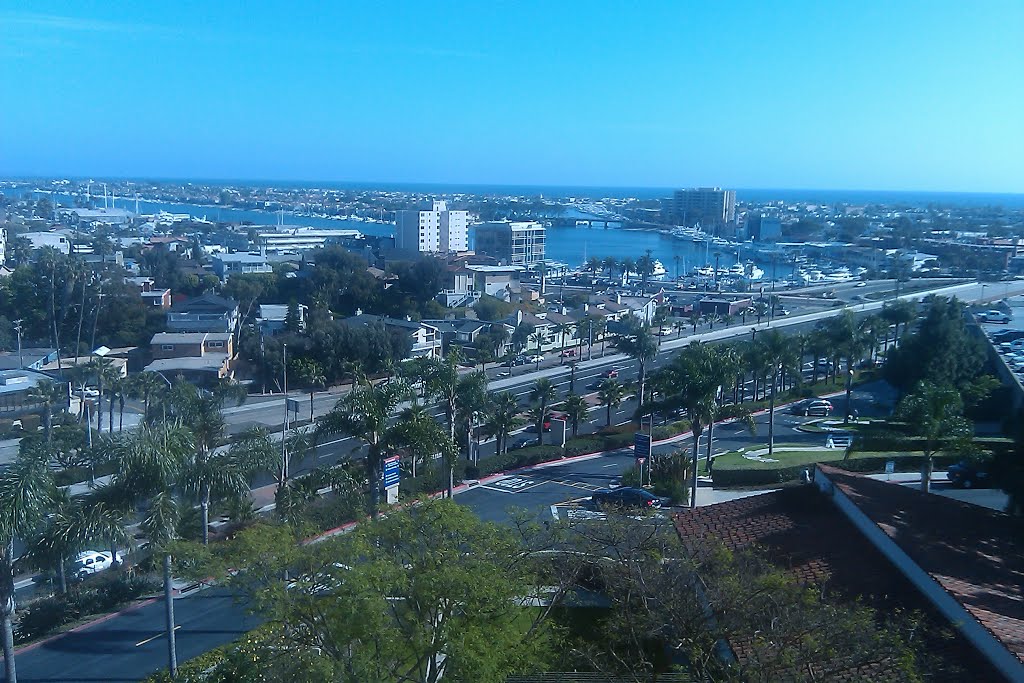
(436, 230)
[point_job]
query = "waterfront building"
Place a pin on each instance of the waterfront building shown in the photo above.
(296, 240)
(438, 230)
(763, 228)
(517, 243)
(709, 206)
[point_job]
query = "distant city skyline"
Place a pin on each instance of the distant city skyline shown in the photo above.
(919, 97)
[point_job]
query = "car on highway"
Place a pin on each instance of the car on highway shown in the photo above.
(627, 497)
(967, 475)
(522, 442)
(861, 284)
(818, 407)
(91, 562)
(536, 358)
(568, 353)
(993, 316)
(610, 374)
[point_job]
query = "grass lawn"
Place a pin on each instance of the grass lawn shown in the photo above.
(736, 461)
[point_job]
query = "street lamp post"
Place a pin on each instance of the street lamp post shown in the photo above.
(771, 411)
(849, 387)
(284, 425)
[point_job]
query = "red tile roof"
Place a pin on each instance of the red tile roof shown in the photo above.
(974, 553)
(802, 532)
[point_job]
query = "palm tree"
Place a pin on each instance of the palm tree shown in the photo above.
(26, 495)
(660, 318)
(542, 394)
(641, 347)
(146, 385)
(311, 375)
(420, 434)
(679, 325)
(934, 413)
(645, 266)
(103, 371)
(537, 339)
(575, 407)
(151, 463)
(562, 329)
(364, 413)
(609, 263)
(61, 536)
(501, 418)
(210, 474)
(901, 312)
(610, 394)
(48, 394)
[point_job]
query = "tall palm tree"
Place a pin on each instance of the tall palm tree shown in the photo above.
(542, 394)
(60, 537)
(609, 263)
(575, 407)
(26, 495)
(210, 473)
(610, 394)
(48, 395)
(418, 433)
(641, 347)
(152, 462)
(501, 418)
(365, 413)
(145, 386)
(562, 329)
(102, 370)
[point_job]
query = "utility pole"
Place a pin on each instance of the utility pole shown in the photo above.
(284, 426)
(21, 358)
(771, 412)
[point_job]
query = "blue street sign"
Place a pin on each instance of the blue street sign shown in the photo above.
(391, 472)
(642, 445)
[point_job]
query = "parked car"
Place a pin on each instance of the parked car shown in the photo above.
(818, 407)
(1006, 335)
(1015, 345)
(522, 442)
(966, 475)
(993, 316)
(536, 358)
(92, 562)
(627, 497)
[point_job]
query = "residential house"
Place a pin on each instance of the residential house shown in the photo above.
(546, 324)
(463, 333)
(956, 566)
(199, 357)
(271, 318)
(15, 386)
(467, 282)
(226, 265)
(27, 359)
(207, 313)
(426, 339)
(157, 298)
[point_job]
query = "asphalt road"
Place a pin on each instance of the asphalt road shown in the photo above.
(132, 645)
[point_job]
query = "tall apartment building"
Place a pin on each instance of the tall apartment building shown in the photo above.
(710, 206)
(516, 243)
(436, 230)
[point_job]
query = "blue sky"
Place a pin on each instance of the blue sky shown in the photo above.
(854, 95)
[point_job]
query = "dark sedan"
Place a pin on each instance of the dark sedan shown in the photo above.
(627, 497)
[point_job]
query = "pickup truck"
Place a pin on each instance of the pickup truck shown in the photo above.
(993, 317)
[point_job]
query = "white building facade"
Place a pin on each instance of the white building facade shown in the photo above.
(435, 231)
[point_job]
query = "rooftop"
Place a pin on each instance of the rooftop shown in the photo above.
(188, 337)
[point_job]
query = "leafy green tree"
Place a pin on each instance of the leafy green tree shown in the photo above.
(438, 593)
(26, 496)
(934, 413)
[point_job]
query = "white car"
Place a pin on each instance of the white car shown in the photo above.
(537, 358)
(92, 562)
(861, 284)
(994, 317)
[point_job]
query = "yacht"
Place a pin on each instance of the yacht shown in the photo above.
(755, 272)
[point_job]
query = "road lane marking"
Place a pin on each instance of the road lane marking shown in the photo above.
(614, 464)
(150, 640)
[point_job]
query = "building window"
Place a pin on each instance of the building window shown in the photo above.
(216, 345)
(167, 347)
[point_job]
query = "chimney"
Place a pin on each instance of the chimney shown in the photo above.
(359, 311)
